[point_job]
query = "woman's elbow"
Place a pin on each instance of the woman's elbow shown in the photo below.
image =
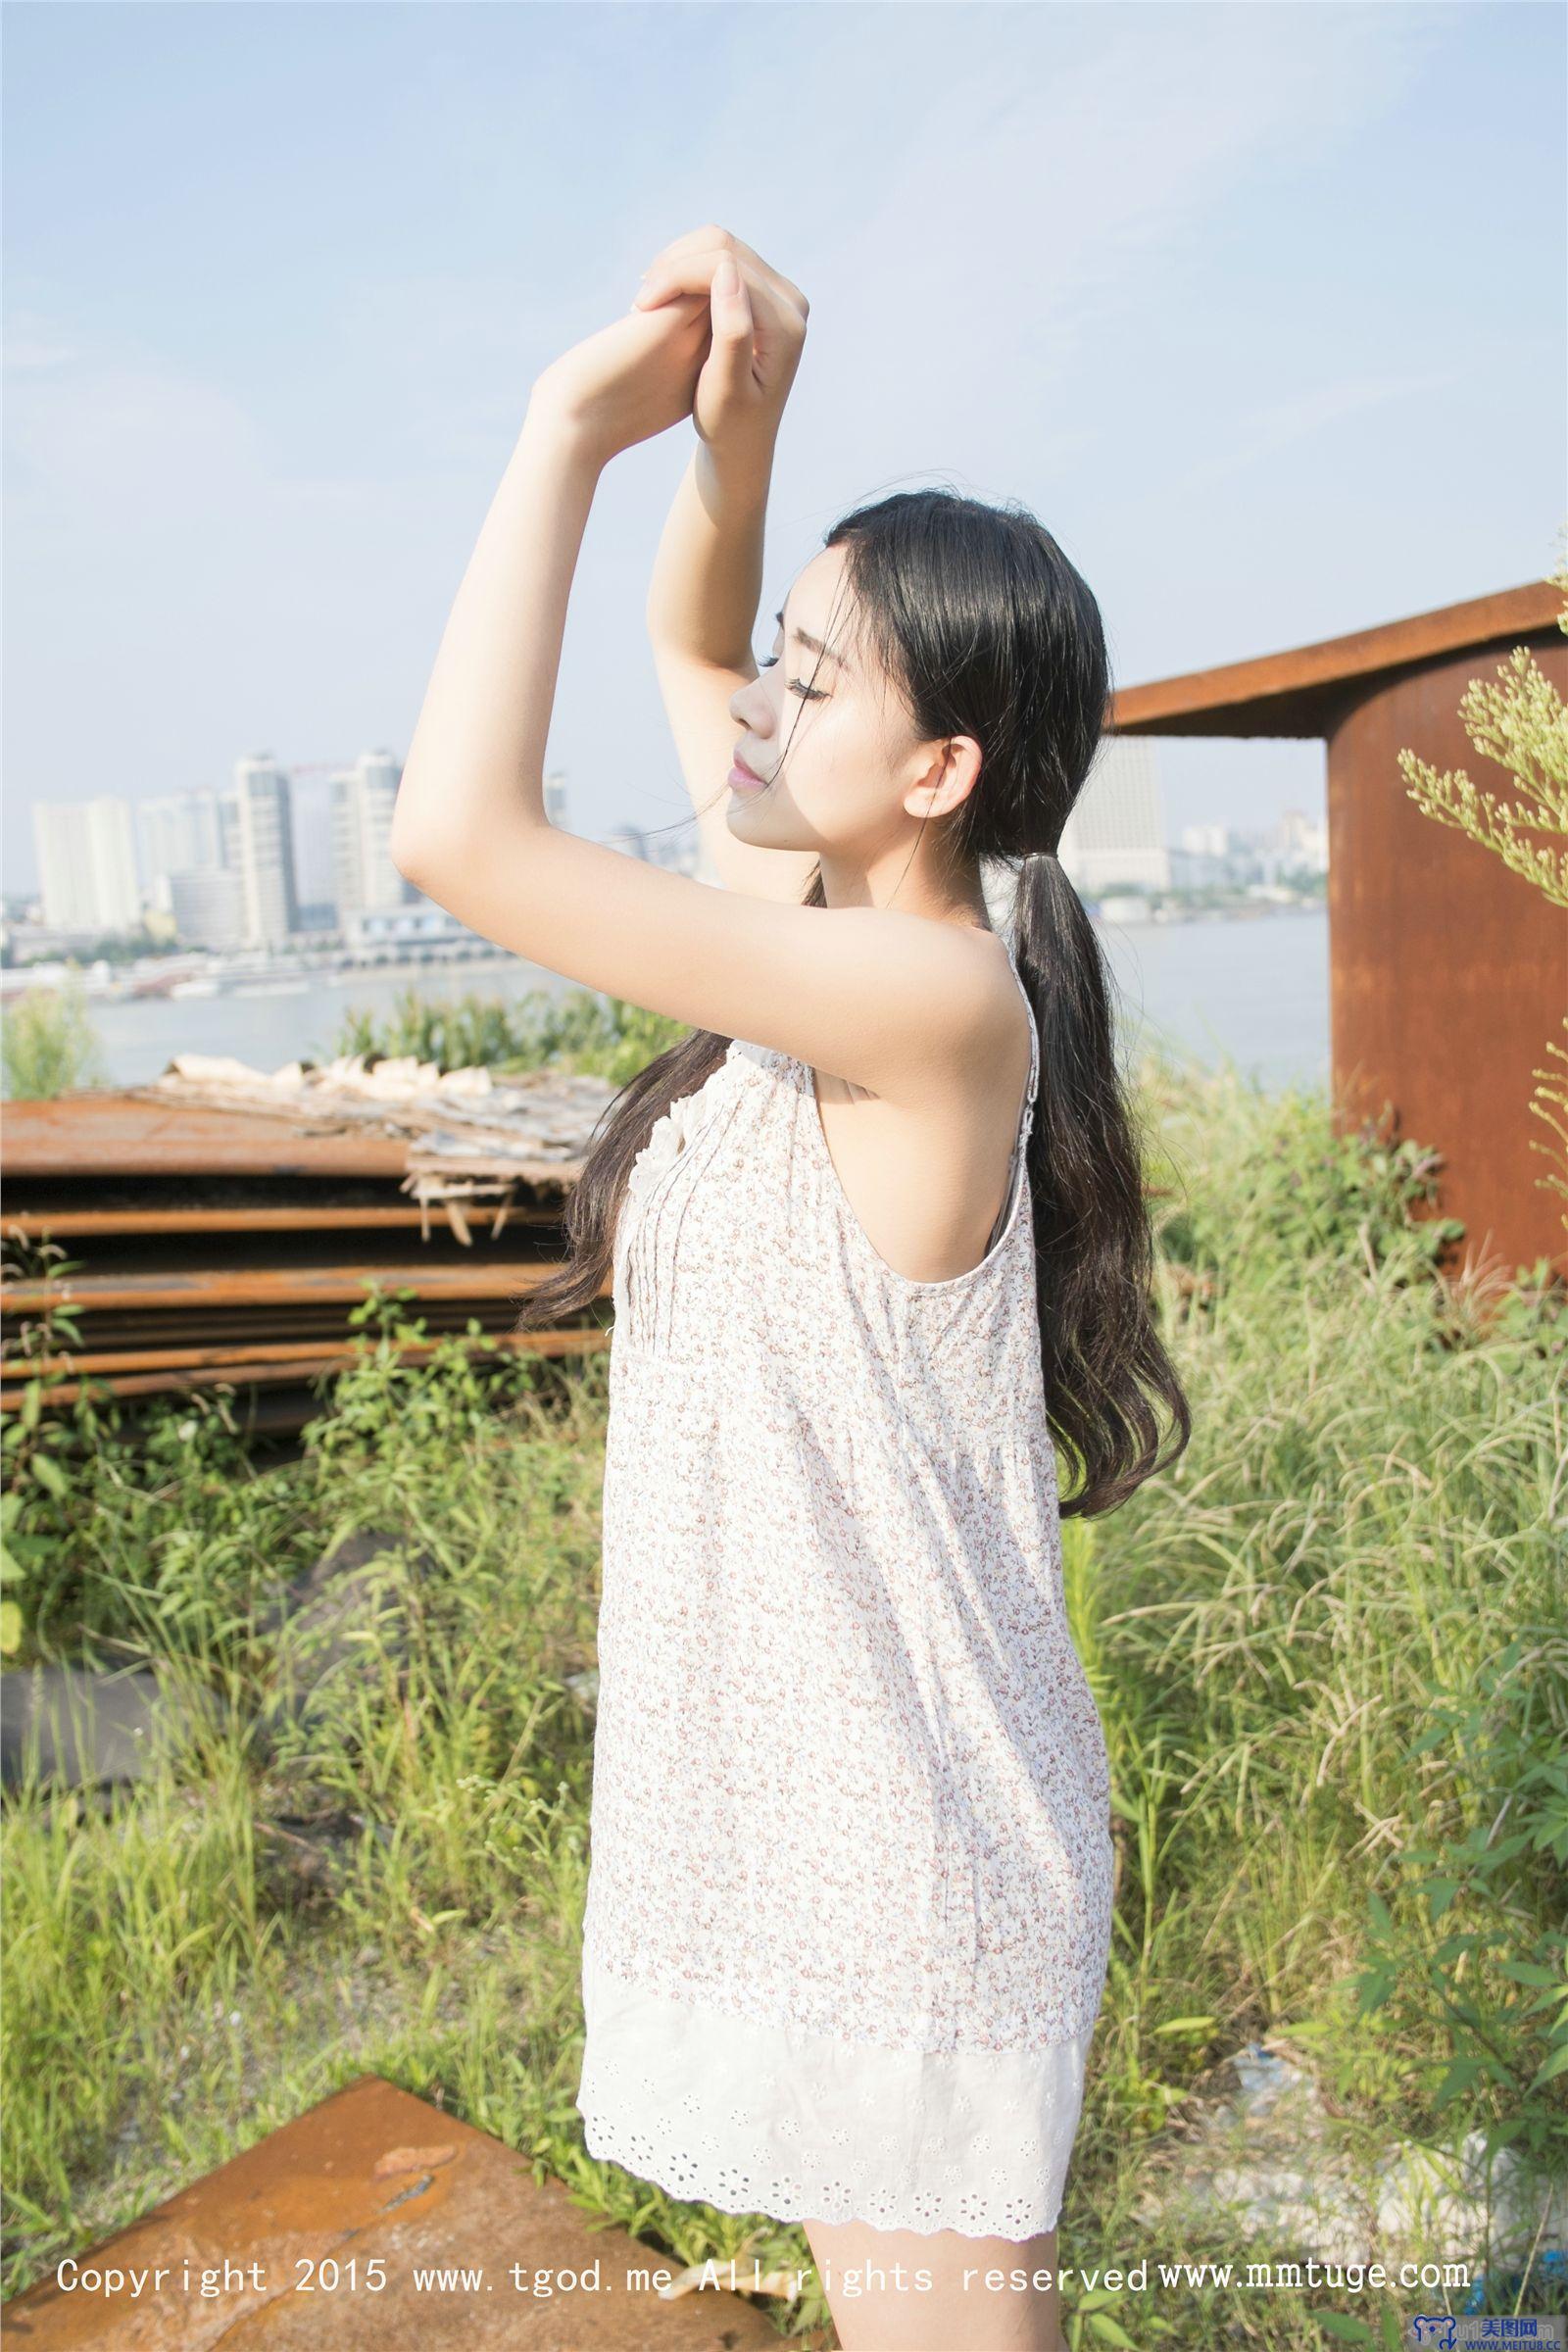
(406, 865)
(412, 854)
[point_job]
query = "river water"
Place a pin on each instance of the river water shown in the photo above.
(1252, 988)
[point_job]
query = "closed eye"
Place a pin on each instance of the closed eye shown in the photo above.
(807, 694)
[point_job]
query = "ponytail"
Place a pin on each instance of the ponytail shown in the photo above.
(1105, 1366)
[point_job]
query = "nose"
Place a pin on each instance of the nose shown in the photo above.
(748, 708)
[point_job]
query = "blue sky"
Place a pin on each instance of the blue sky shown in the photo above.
(1261, 308)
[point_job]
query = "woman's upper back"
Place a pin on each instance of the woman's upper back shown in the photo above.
(924, 1186)
(739, 1254)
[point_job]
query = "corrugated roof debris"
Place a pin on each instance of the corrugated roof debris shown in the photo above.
(537, 1116)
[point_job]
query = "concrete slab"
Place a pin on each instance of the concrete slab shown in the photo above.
(81, 1726)
(326, 2226)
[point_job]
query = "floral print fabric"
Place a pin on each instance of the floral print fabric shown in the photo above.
(850, 1860)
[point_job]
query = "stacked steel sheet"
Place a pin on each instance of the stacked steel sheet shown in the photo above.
(220, 1224)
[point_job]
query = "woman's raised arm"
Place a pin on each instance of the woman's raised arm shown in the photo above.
(891, 1002)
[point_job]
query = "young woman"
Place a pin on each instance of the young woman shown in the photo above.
(877, 1244)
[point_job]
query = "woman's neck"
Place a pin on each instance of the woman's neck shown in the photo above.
(954, 899)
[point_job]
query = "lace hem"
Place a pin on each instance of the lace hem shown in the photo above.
(719, 2110)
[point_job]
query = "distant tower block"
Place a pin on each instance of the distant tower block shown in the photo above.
(265, 851)
(86, 853)
(1115, 835)
(365, 880)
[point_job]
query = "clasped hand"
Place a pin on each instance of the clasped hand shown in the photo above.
(698, 342)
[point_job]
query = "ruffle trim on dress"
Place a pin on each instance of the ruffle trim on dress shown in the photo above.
(687, 1115)
(765, 1056)
(769, 2119)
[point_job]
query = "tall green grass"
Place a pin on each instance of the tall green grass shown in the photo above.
(571, 1029)
(48, 1043)
(1330, 1650)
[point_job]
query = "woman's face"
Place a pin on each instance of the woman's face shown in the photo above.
(830, 741)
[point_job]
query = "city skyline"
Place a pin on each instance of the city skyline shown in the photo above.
(160, 816)
(223, 869)
(1196, 308)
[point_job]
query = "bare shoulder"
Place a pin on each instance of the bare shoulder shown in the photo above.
(989, 1047)
(925, 1175)
(999, 1042)
(1005, 1054)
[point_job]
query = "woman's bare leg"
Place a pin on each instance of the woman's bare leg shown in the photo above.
(895, 2290)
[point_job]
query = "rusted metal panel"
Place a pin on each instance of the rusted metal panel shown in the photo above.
(201, 1209)
(1303, 691)
(311, 2237)
(206, 1286)
(252, 1367)
(115, 1133)
(228, 1361)
(36, 1225)
(1449, 974)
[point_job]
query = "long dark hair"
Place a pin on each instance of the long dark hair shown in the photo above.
(988, 630)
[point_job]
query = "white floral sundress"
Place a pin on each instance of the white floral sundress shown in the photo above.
(848, 1904)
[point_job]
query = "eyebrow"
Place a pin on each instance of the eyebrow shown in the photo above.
(814, 644)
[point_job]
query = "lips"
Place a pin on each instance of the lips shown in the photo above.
(747, 770)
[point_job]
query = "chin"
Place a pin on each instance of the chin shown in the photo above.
(749, 821)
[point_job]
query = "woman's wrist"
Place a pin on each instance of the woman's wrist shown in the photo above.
(708, 575)
(549, 421)
(737, 478)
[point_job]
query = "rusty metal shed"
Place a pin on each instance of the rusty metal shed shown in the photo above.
(1449, 974)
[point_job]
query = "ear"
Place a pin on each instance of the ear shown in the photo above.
(949, 777)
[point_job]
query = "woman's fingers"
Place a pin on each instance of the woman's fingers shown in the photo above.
(686, 265)
(691, 303)
(711, 238)
(689, 273)
(695, 275)
(693, 272)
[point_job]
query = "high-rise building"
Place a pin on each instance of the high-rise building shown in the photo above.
(365, 880)
(228, 829)
(180, 834)
(1303, 844)
(1116, 832)
(266, 860)
(86, 852)
(208, 907)
(1196, 869)
(1208, 841)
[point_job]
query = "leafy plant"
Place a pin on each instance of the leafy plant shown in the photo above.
(1387, 2335)
(575, 1030)
(48, 1043)
(1521, 724)
(1495, 1876)
(1305, 1195)
(38, 1446)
